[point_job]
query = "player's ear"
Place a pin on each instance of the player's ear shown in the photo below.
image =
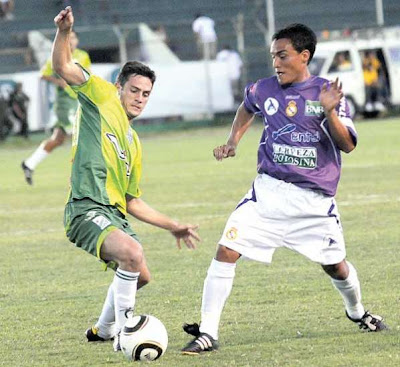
(305, 56)
(118, 86)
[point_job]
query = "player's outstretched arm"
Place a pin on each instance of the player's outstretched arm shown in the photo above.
(61, 54)
(241, 123)
(330, 97)
(145, 213)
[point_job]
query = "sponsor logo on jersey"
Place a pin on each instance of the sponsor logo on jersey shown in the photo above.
(313, 108)
(231, 233)
(101, 221)
(288, 128)
(302, 157)
(291, 109)
(271, 106)
(306, 137)
(290, 96)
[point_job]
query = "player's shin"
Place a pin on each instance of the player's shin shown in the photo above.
(106, 323)
(350, 291)
(217, 287)
(124, 286)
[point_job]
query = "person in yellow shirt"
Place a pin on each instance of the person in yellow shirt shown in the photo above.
(371, 68)
(65, 109)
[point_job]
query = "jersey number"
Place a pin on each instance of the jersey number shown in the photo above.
(121, 153)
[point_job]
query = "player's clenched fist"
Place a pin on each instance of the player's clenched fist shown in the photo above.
(65, 19)
(224, 151)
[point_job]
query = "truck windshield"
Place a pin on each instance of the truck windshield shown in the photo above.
(316, 64)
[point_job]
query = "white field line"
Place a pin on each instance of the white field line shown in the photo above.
(30, 232)
(357, 200)
(4, 211)
(360, 200)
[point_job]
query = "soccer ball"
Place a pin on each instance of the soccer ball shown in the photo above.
(143, 338)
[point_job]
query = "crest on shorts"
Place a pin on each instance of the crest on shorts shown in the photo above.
(231, 233)
(291, 109)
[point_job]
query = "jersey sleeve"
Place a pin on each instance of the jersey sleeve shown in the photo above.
(250, 99)
(96, 89)
(47, 70)
(86, 63)
(136, 172)
(343, 112)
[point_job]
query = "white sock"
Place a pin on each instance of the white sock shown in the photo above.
(125, 286)
(350, 291)
(216, 290)
(37, 156)
(106, 322)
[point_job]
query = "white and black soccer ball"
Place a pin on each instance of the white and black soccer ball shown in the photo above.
(143, 338)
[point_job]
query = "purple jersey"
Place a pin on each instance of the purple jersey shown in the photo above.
(296, 145)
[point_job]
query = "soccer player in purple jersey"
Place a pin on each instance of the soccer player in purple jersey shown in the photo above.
(291, 203)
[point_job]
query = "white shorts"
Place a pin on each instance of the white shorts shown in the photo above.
(276, 214)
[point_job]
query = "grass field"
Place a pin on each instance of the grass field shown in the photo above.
(287, 314)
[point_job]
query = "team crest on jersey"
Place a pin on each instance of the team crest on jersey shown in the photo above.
(313, 108)
(271, 106)
(231, 233)
(291, 109)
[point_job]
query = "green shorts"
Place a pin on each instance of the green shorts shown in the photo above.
(65, 109)
(87, 224)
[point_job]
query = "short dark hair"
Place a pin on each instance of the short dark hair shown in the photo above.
(301, 37)
(135, 68)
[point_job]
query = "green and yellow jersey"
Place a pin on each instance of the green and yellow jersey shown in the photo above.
(78, 56)
(106, 151)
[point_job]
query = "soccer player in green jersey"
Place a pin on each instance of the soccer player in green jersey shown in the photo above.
(106, 170)
(65, 108)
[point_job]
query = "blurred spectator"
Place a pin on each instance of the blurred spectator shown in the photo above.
(234, 65)
(161, 33)
(343, 63)
(19, 109)
(325, 35)
(5, 125)
(206, 38)
(371, 69)
(7, 7)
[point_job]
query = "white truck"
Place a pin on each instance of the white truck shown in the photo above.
(386, 47)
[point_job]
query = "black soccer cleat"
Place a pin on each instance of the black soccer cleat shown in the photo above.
(27, 172)
(92, 336)
(192, 329)
(369, 322)
(201, 343)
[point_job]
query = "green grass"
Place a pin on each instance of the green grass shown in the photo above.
(287, 314)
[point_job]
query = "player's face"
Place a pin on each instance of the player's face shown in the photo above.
(73, 41)
(134, 94)
(290, 66)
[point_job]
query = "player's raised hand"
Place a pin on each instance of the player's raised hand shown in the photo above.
(187, 233)
(65, 19)
(224, 151)
(330, 95)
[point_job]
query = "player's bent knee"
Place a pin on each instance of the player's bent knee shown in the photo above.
(130, 256)
(225, 254)
(338, 271)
